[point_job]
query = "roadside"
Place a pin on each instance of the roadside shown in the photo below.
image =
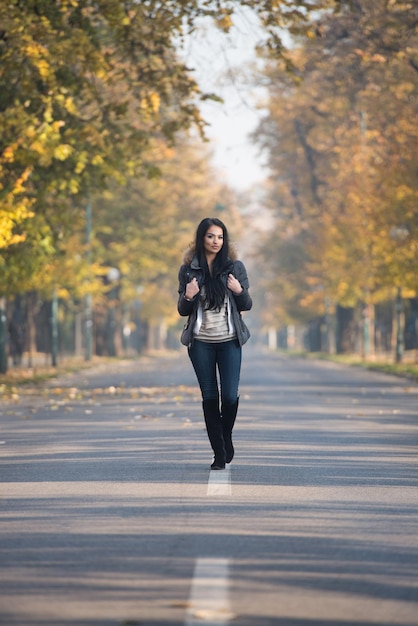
(19, 377)
(41, 372)
(407, 369)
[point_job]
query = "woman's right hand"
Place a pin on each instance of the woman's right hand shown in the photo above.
(192, 289)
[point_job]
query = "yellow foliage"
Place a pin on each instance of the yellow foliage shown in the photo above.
(403, 191)
(30, 131)
(101, 73)
(70, 106)
(43, 68)
(19, 186)
(7, 238)
(13, 214)
(82, 159)
(62, 152)
(73, 185)
(97, 160)
(8, 154)
(151, 102)
(48, 115)
(155, 101)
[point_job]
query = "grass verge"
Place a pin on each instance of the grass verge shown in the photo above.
(406, 370)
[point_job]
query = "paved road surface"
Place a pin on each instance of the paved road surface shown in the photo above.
(110, 515)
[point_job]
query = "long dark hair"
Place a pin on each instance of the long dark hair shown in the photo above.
(214, 287)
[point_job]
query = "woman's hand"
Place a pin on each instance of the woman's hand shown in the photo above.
(234, 285)
(192, 289)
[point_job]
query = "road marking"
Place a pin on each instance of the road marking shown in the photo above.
(208, 600)
(219, 483)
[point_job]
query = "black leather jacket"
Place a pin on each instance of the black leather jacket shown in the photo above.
(242, 302)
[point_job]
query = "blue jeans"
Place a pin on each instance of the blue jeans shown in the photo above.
(210, 358)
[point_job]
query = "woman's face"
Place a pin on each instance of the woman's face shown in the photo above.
(214, 240)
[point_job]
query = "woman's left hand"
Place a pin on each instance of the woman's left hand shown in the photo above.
(234, 285)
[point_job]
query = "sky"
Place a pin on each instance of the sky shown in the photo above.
(222, 62)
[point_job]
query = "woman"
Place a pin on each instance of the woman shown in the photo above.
(213, 290)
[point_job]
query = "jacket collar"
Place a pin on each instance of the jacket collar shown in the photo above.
(195, 263)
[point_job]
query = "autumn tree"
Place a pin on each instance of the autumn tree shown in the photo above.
(84, 86)
(341, 142)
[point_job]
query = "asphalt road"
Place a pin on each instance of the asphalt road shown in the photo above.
(110, 515)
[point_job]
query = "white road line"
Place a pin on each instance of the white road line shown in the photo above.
(209, 598)
(219, 483)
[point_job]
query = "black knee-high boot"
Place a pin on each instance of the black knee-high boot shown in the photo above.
(214, 430)
(229, 413)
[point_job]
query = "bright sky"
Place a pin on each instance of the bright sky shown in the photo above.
(221, 62)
